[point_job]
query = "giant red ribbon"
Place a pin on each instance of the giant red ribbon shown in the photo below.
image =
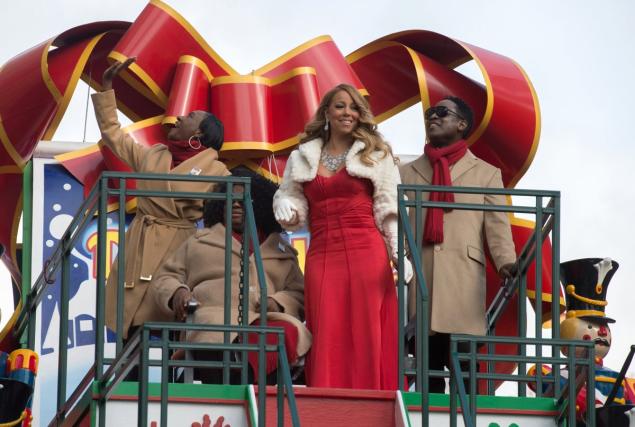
(176, 71)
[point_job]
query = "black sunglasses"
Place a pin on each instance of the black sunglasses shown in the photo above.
(441, 111)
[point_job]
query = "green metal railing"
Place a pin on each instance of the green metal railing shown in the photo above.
(546, 211)
(96, 204)
(137, 353)
(578, 368)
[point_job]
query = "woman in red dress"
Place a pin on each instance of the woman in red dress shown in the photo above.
(342, 180)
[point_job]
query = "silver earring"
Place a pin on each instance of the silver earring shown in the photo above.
(326, 126)
(194, 147)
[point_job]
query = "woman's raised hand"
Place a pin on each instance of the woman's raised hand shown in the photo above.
(112, 72)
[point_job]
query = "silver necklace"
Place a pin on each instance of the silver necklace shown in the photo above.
(332, 163)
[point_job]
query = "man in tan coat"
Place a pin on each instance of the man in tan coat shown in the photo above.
(453, 254)
(197, 270)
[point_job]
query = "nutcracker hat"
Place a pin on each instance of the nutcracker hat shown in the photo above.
(585, 282)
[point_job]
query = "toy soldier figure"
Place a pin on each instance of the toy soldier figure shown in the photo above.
(585, 282)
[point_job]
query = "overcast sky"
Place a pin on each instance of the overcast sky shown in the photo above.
(578, 54)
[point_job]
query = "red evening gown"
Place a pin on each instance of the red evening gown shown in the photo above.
(350, 297)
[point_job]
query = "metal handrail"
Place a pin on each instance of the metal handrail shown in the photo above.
(136, 353)
(96, 204)
(548, 218)
(565, 398)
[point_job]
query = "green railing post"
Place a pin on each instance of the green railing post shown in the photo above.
(422, 321)
(522, 329)
(425, 365)
(247, 242)
(555, 285)
(453, 388)
(62, 365)
(100, 299)
(538, 291)
(473, 378)
(280, 385)
(102, 229)
(262, 283)
(144, 355)
(121, 267)
(164, 376)
(27, 339)
(286, 374)
(400, 299)
(590, 386)
(571, 380)
(468, 416)
(227, 320)
(491, 366)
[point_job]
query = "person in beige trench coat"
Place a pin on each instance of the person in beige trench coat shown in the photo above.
(160, 225)
(197, 269)
(454, 268)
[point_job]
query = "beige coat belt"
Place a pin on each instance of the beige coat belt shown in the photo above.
(155, 230)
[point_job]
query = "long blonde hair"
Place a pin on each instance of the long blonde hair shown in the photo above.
(366, 130)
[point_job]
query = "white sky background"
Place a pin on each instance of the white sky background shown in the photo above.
(578, 54)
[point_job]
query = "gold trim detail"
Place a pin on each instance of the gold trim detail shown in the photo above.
(77, 153)
(571, 291)
(372, 48)
(198, 63)
(46, 77)
(262, 171)
(8, 146)
(546, 297)
(7, 169)
(489, 108)
(397, 109)
(62, 104)
(255, 79)
(582, 313)
(17, 214)
(150, 121)
(292, 53)
(152, 91)
(421, 80)
(534, 145)
(195, 35)
(260, 145)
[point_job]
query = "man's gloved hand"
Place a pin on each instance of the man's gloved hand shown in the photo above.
(508, 271)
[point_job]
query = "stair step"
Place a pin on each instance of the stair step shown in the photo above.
(337, 407)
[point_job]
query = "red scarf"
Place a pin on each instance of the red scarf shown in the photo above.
(441, 159)
(181, 151)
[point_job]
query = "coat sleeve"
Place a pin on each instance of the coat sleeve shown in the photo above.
(291, 296)
(497, 229)
(292, 190)
(219, 169)
(385, 192)
(112, 136)
(170, 277)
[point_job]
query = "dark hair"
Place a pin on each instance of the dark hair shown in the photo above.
(465, 111)
(262, 191)
(212, 132)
